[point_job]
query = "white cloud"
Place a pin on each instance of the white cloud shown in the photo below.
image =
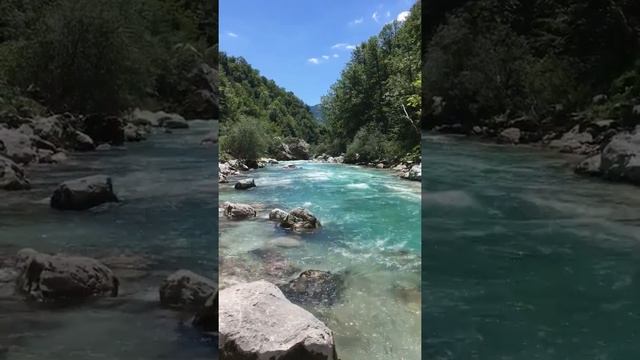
(388, 14)
(375, 16)
(403, 16)
(232, 34)
(326, 57)
(356, 22)
(314, 61)
(343, 46)
(335, 56)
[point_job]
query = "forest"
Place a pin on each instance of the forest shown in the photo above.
(546, 64)
(373, 111)
(256, 112)
(106, 57)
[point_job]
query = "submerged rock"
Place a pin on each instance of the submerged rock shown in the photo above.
(12, 176)
(245, 184)
(258, 322)
(590, 166)
(238, 211)
(186, 289)
(300, 219)
(314, 286)
(58, 277)
(84, 193)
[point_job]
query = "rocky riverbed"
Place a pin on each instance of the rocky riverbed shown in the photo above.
(134, 216)
(337, 243)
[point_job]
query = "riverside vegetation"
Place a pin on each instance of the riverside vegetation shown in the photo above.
(314, 236)
(82, 84)
(562, 74)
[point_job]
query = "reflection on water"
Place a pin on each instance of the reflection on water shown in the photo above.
(370, 236)
(525, 260)
(166, 221)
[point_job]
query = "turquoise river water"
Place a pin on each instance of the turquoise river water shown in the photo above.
(523, 259)
(166, 221)
(370, 233)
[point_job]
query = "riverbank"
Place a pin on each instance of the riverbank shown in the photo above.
(369, 241)
(163, 223)
(509, 229)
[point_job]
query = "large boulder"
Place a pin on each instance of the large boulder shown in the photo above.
(590, 166)
(186, 290)
(82, 142)
(84, 193)
(300, 219)
(510, 136)
(574, 141)
(17, 146)
(621, 157)
(173, 121)
(314, 286)
(292, 148)
(414, 173)
(134, 132)
(237, 211)
(245, 184)
(59, 277)
(258, 322)
(207, 317)
(278, 215)
(12, 176)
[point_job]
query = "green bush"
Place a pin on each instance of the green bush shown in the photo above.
(368, 145)
(245, 139)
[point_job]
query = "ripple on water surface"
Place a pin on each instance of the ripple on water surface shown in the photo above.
(370, 235)
(524, 260)
(166, 221)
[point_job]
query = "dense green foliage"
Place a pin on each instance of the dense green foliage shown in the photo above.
(245, 139)
(105, 56)
(542, 59)
(245, 93)
(374, 109)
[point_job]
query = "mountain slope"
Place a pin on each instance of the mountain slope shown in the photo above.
(246, 94)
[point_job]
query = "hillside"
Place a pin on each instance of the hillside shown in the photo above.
(373, 111)
(245, 94)
(316, 110)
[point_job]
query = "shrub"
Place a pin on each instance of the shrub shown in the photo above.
(244, 139)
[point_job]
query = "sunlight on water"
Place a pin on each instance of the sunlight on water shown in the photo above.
(370, 234)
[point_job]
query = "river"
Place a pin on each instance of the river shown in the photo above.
(166, 221)
(522, 259)
(370, 233)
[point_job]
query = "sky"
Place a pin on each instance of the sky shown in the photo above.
(302, 45)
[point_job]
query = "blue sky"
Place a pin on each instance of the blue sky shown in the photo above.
(302, 44)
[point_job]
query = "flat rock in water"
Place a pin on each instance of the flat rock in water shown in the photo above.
(258, 322)
(84, 193)
(314, 287)
(238, 211)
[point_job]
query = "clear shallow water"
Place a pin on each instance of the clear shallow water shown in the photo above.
(166, 221)
(525, 260)
(370, 232)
